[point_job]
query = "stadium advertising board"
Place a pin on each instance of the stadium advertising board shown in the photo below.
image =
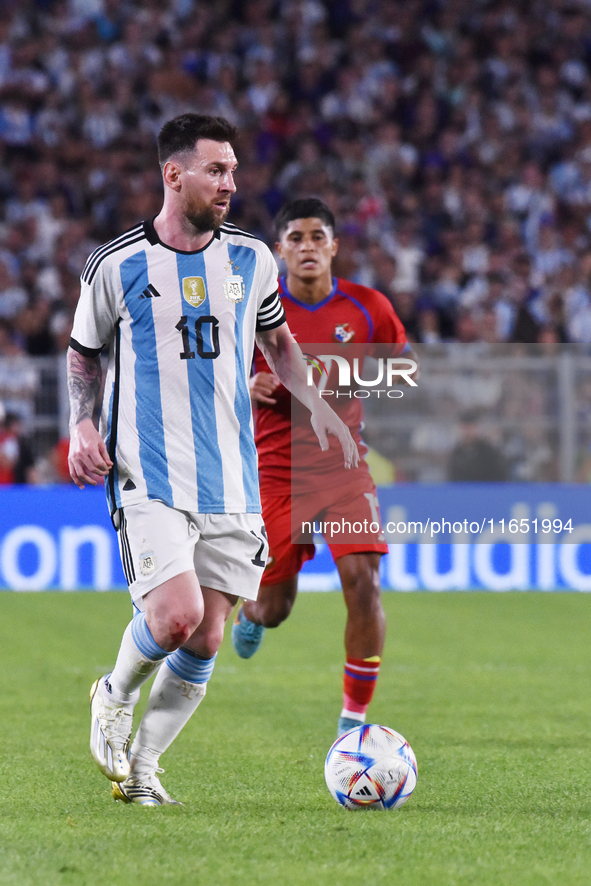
(443, 537)
(495, 536)
(57, 537)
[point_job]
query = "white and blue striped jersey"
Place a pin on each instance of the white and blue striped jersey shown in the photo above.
(176, 414)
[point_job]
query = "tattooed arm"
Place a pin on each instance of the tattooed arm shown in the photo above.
(88, 459)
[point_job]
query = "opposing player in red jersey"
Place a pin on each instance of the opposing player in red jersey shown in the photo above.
(319, 308)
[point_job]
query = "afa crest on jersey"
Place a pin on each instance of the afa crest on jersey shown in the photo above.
(234, 288)
(343, 332)
(148, 562)
(194, 290)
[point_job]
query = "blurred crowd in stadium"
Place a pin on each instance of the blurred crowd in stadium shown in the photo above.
(451, 138)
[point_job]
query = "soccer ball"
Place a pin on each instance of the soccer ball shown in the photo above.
(371, 767)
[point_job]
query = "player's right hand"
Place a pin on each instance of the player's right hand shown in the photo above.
(325, 421)
(262, 386)
(88, 459)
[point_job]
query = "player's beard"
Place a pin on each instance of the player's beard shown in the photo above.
(207, 218)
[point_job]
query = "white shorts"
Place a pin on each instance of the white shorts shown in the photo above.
(227, 551)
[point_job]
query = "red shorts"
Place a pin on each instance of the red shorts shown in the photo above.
(281, 512)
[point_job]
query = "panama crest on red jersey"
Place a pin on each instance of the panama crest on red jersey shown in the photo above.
(343, 333)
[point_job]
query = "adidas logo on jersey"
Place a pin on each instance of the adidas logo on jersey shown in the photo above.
(150, 292)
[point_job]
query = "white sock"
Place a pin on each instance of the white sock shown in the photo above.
(353, 715)
(139, 656)
(171, 705)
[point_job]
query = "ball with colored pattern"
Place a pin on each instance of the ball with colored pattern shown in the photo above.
(371, 767)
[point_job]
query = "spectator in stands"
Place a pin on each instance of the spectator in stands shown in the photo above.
(475, 458)
(18, 376)
(8, 449)
(17, 443)
(52, 466)
(13, 297)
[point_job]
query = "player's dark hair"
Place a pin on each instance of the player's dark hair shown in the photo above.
(306, 207)
(182, 133)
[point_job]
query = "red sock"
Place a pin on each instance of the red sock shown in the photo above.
(359, 682)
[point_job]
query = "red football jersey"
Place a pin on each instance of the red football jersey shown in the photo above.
(350, 313)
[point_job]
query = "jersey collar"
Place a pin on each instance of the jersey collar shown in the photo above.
(154, 240)
(301, 304)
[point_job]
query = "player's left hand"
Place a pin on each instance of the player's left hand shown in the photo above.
(325, 421)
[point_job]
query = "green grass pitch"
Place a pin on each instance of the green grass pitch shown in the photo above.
(491, 690)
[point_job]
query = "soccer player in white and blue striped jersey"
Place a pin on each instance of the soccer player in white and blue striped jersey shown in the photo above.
(179, 301)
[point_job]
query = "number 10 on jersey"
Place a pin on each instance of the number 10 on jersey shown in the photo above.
(208, 345)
